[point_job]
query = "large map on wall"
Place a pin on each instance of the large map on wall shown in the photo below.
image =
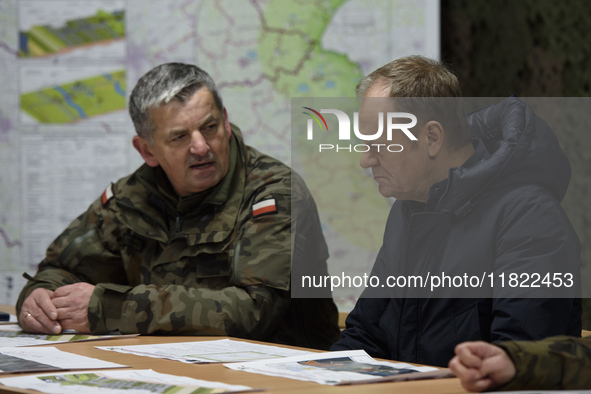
(66, 68)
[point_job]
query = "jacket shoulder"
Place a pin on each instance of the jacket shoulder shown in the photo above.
(263, 171)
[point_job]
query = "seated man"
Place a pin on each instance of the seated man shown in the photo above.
(195, 242)
(484, 197)
(556, 363)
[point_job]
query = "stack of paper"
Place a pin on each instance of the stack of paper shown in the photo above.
(338, 368)
(12, 336)
(220, 351)
(120, 382)
(21, 359)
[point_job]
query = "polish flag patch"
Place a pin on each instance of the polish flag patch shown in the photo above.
(263, 207)
(107, 194)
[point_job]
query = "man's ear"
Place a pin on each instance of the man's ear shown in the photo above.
(145, 150)
(227, 124)
(434, 133)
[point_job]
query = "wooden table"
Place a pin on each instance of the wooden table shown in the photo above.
(219, 373)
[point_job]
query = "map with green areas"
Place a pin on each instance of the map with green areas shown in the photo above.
(103, 382)
(292, 56)
(47, 40)
(77, 100)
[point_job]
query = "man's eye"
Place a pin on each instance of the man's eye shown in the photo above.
(178, 137)
(211, 127)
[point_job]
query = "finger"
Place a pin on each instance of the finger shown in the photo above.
(41, 324)
(466, 355)
(63, 303)
(71, 324)
(493, 366)
(73, 314)
(63, 291)
(34, 319)
(481, 385)
(43, 301)
(499, 368)
(461, 371)
(67, 312)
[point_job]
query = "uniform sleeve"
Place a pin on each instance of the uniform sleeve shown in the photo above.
(556, 363)
(248, 308)
(80, 254)
(536, 238)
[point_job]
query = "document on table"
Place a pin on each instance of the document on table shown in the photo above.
(338, 368)
(218, 351)
(119, 382)
(12, 336)
(42, 359)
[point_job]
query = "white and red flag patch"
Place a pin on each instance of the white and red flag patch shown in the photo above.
(263, 207)
(107, 194)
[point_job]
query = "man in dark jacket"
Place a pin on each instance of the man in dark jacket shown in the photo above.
(482, 198)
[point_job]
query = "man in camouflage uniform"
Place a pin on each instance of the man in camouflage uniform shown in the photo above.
(555, 363)
(197, 241)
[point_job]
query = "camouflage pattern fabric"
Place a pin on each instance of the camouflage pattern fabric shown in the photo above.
(555, 363)
(197, 265)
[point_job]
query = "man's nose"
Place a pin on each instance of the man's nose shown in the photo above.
(367, 160)
(199, 146)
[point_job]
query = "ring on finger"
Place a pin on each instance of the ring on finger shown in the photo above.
(28, 314)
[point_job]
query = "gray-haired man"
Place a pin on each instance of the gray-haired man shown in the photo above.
(196, 241)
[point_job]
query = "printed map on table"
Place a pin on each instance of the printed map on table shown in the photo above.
(120, 382)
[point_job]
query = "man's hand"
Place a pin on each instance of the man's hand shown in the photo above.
(39, 314)
(72, 302)
(481, 366)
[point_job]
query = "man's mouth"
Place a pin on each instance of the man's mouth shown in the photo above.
(202, 165)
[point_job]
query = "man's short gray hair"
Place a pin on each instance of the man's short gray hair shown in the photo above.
(163, 84)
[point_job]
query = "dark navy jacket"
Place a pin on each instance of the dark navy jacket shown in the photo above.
(499, 213)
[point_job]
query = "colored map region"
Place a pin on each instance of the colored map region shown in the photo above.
(265, 55)
(292, 55)
(261, 53)
(106, 384)
(77, 100)
(47, 40)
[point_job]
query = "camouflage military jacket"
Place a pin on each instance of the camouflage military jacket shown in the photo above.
(555, 363)
(212, 263)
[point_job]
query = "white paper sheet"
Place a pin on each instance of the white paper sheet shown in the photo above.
(329, 368)
(17, 359)
(11, 335)
(223, 350)
(116, 382)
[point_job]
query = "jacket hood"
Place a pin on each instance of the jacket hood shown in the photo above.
(522, 148)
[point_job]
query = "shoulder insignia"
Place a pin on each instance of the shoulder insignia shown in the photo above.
(264, 207)
(107, 194)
